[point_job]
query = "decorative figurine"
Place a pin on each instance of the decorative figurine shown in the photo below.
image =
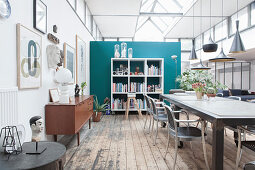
(36, 124)
(55, 58)
(77, 90)
(55, 28)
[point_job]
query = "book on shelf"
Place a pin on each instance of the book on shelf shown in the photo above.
(137, 87)
(154, 70)
(121, 104)
(119, 87)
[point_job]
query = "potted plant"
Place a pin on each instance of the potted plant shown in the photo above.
(98, 110)
(83, 86)
(211, 92)
(199, 88)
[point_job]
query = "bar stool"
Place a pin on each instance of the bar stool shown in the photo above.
(133, 97)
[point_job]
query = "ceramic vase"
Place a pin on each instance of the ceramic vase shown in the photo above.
(199, 95)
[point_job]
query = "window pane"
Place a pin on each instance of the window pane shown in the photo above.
(72, 2)
(198, 43)
(221, 32)
(125, 39)
(186, 44)
(207, 35)
(160, 23)
(185, 56)
(243, 20)
(237, 76)
(88, 19)
(253, 13)
(220, 72)
(228, 74)
(245, 75)
(81, 10)
(212, 70)
(94, 31)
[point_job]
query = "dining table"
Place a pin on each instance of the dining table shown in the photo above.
(220, 112)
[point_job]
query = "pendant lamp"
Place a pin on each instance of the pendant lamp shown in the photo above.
(237, 45)
(200, 66)
(193, 55)
(222, 57)
(211, 46)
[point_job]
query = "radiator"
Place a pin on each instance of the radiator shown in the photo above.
(8, 106)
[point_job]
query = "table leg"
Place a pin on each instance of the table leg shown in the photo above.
(55, 138)
(218, 145)
(89, 123)
(78, 138)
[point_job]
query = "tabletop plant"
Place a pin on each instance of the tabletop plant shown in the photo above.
(83, 86)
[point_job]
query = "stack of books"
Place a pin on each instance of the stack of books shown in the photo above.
(154, 70)
(119, 104)
(137, 87)
(140, 102)
(119, 87)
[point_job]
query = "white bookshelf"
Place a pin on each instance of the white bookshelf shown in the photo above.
(145, 78)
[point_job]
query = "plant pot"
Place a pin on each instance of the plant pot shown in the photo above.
(199, 95)
(96, 117)
(210, 95)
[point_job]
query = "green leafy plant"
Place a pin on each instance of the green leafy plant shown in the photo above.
(83, 86)
(211, 90)
(99, 107)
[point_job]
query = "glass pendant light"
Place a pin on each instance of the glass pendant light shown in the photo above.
(193, 55)
(210, 46)
(200, 66)
(237, 45)
(222, 57)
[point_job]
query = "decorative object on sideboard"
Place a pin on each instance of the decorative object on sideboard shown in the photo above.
(83, 86)
(64, 77)
(123, 50)
(81, 60)
(29, 46)
(130, 53)
(54, 95)
(40, 16)
(55, 29)
(12, 138)
(54, 56)
(36, 125)
(70, 60)
(116, 51)
(98, 110)
(53, 38)
(5, 8)
(77, 90)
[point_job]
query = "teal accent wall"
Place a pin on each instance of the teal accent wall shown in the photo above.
(101, 53)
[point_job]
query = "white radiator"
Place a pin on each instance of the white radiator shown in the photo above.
(8, 106)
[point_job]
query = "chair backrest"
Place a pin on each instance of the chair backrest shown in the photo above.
(171, 117)
(147, 101)
(234, 97)
(154, 109)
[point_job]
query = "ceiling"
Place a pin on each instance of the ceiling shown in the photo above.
(118, 18)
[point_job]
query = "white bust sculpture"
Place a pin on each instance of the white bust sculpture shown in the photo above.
(36, 124)
(54, 55)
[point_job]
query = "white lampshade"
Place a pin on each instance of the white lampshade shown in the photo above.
(173, 57)
(63, 76)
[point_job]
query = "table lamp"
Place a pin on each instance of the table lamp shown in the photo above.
(63, 76)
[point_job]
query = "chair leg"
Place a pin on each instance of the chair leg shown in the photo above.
(152, 128)
(168, 142)
(225, 132)
(176, 149)
(203, 143)
(149, 125)
(238, 156)
(145, 119)
(156, 135)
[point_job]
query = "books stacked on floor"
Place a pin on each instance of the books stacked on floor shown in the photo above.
(140, 102)
(119, 87)
(119, 104)
(137, 87)
(154, 70)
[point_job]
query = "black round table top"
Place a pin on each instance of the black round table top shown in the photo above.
(53, 152)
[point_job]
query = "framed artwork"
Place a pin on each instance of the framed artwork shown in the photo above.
(29, 55)
(54, 95)
(70, 60)
(81, 60)
(40, 16)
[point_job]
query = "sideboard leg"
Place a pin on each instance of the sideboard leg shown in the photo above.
(78, 138)
(89, 123)
(55, 138)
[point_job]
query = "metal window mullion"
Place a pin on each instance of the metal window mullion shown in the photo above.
(224, 73)
(232, 75)
(249, 14)
(156, 25)
(241, 75)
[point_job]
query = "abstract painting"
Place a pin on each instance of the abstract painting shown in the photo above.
(81, 60)
(70, 60)
(29, 54)
(40, 16)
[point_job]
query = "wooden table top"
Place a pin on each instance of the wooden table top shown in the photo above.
(218, 107)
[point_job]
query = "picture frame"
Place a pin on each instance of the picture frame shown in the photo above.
(29, 58)
(70, 60)
(81, 60)
(54, 95)
(40, 16)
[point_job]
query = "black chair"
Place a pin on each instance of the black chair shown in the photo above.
(186, 133)
(249, 166)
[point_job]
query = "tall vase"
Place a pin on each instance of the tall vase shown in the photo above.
(199, 95)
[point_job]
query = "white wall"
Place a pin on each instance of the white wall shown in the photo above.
(32, 102)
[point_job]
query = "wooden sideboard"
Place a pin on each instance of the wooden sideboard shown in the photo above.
(68, 119)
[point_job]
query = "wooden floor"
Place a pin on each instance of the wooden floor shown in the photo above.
(115, 143)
